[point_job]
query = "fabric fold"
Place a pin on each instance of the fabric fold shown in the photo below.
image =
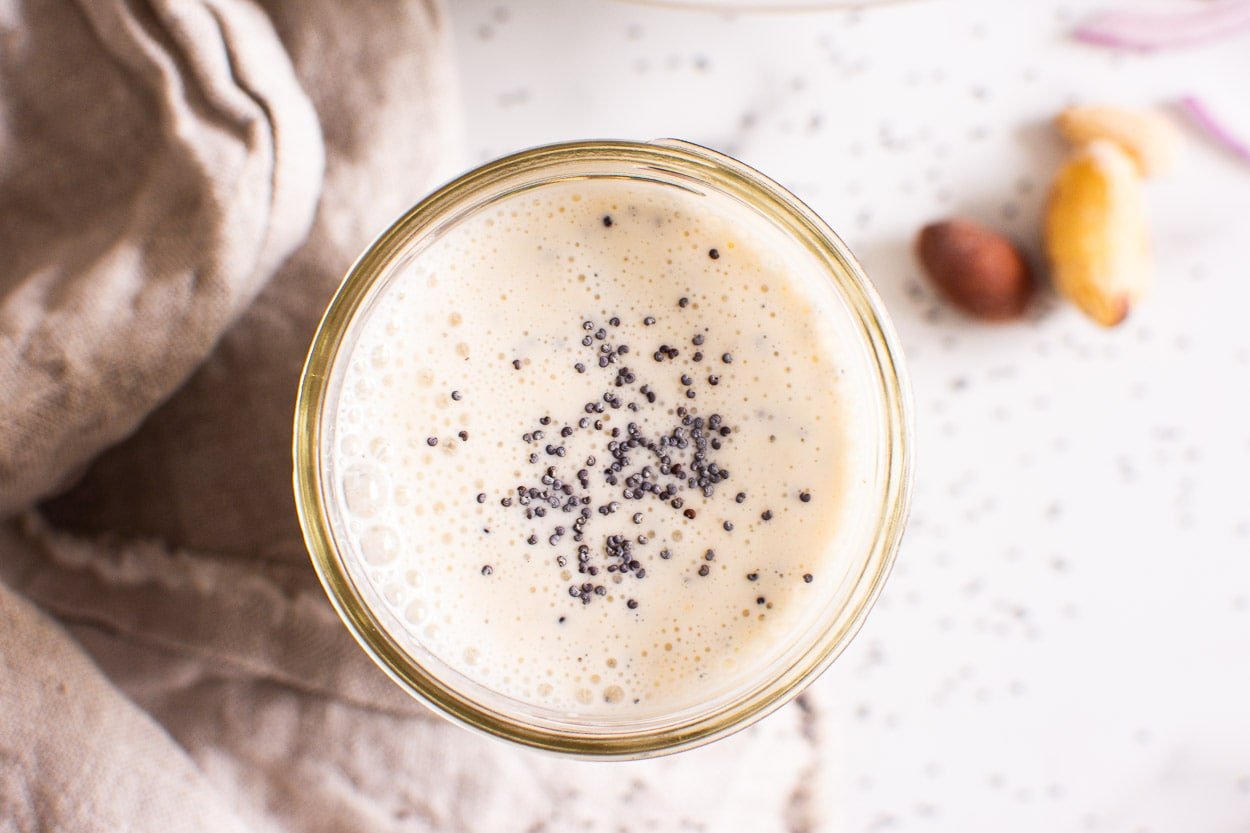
(77, 755)
(231, 620)
(177, 163)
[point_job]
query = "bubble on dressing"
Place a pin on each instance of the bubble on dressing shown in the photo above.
(379, 545)
(364, 490)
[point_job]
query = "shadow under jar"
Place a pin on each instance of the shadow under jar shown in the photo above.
(604, 448)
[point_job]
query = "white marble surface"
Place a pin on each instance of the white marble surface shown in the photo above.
(1065, 643)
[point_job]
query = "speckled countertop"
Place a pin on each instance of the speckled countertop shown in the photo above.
(1065, 642)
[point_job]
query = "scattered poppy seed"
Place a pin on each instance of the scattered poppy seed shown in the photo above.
(807, 577)
(805, 496)
(431, 441)
(673, 460)
(713, 254)
(487, 570)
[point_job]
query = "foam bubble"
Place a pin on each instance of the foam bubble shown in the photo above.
(417, 611)
(364, 490)
(379, 545)
(350, 445)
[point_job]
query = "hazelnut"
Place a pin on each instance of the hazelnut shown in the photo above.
(976, 269)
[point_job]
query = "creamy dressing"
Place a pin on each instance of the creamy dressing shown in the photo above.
(475, 447)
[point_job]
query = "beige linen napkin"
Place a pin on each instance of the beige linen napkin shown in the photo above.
(182, 185)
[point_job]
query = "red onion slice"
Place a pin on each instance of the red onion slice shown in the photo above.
(1203, 117)
(1148, 31)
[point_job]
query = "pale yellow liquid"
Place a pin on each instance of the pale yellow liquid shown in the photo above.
(515, 284)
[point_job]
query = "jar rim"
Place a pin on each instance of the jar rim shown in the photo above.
(709, 169)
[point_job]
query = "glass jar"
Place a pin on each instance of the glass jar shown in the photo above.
(361, 606)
